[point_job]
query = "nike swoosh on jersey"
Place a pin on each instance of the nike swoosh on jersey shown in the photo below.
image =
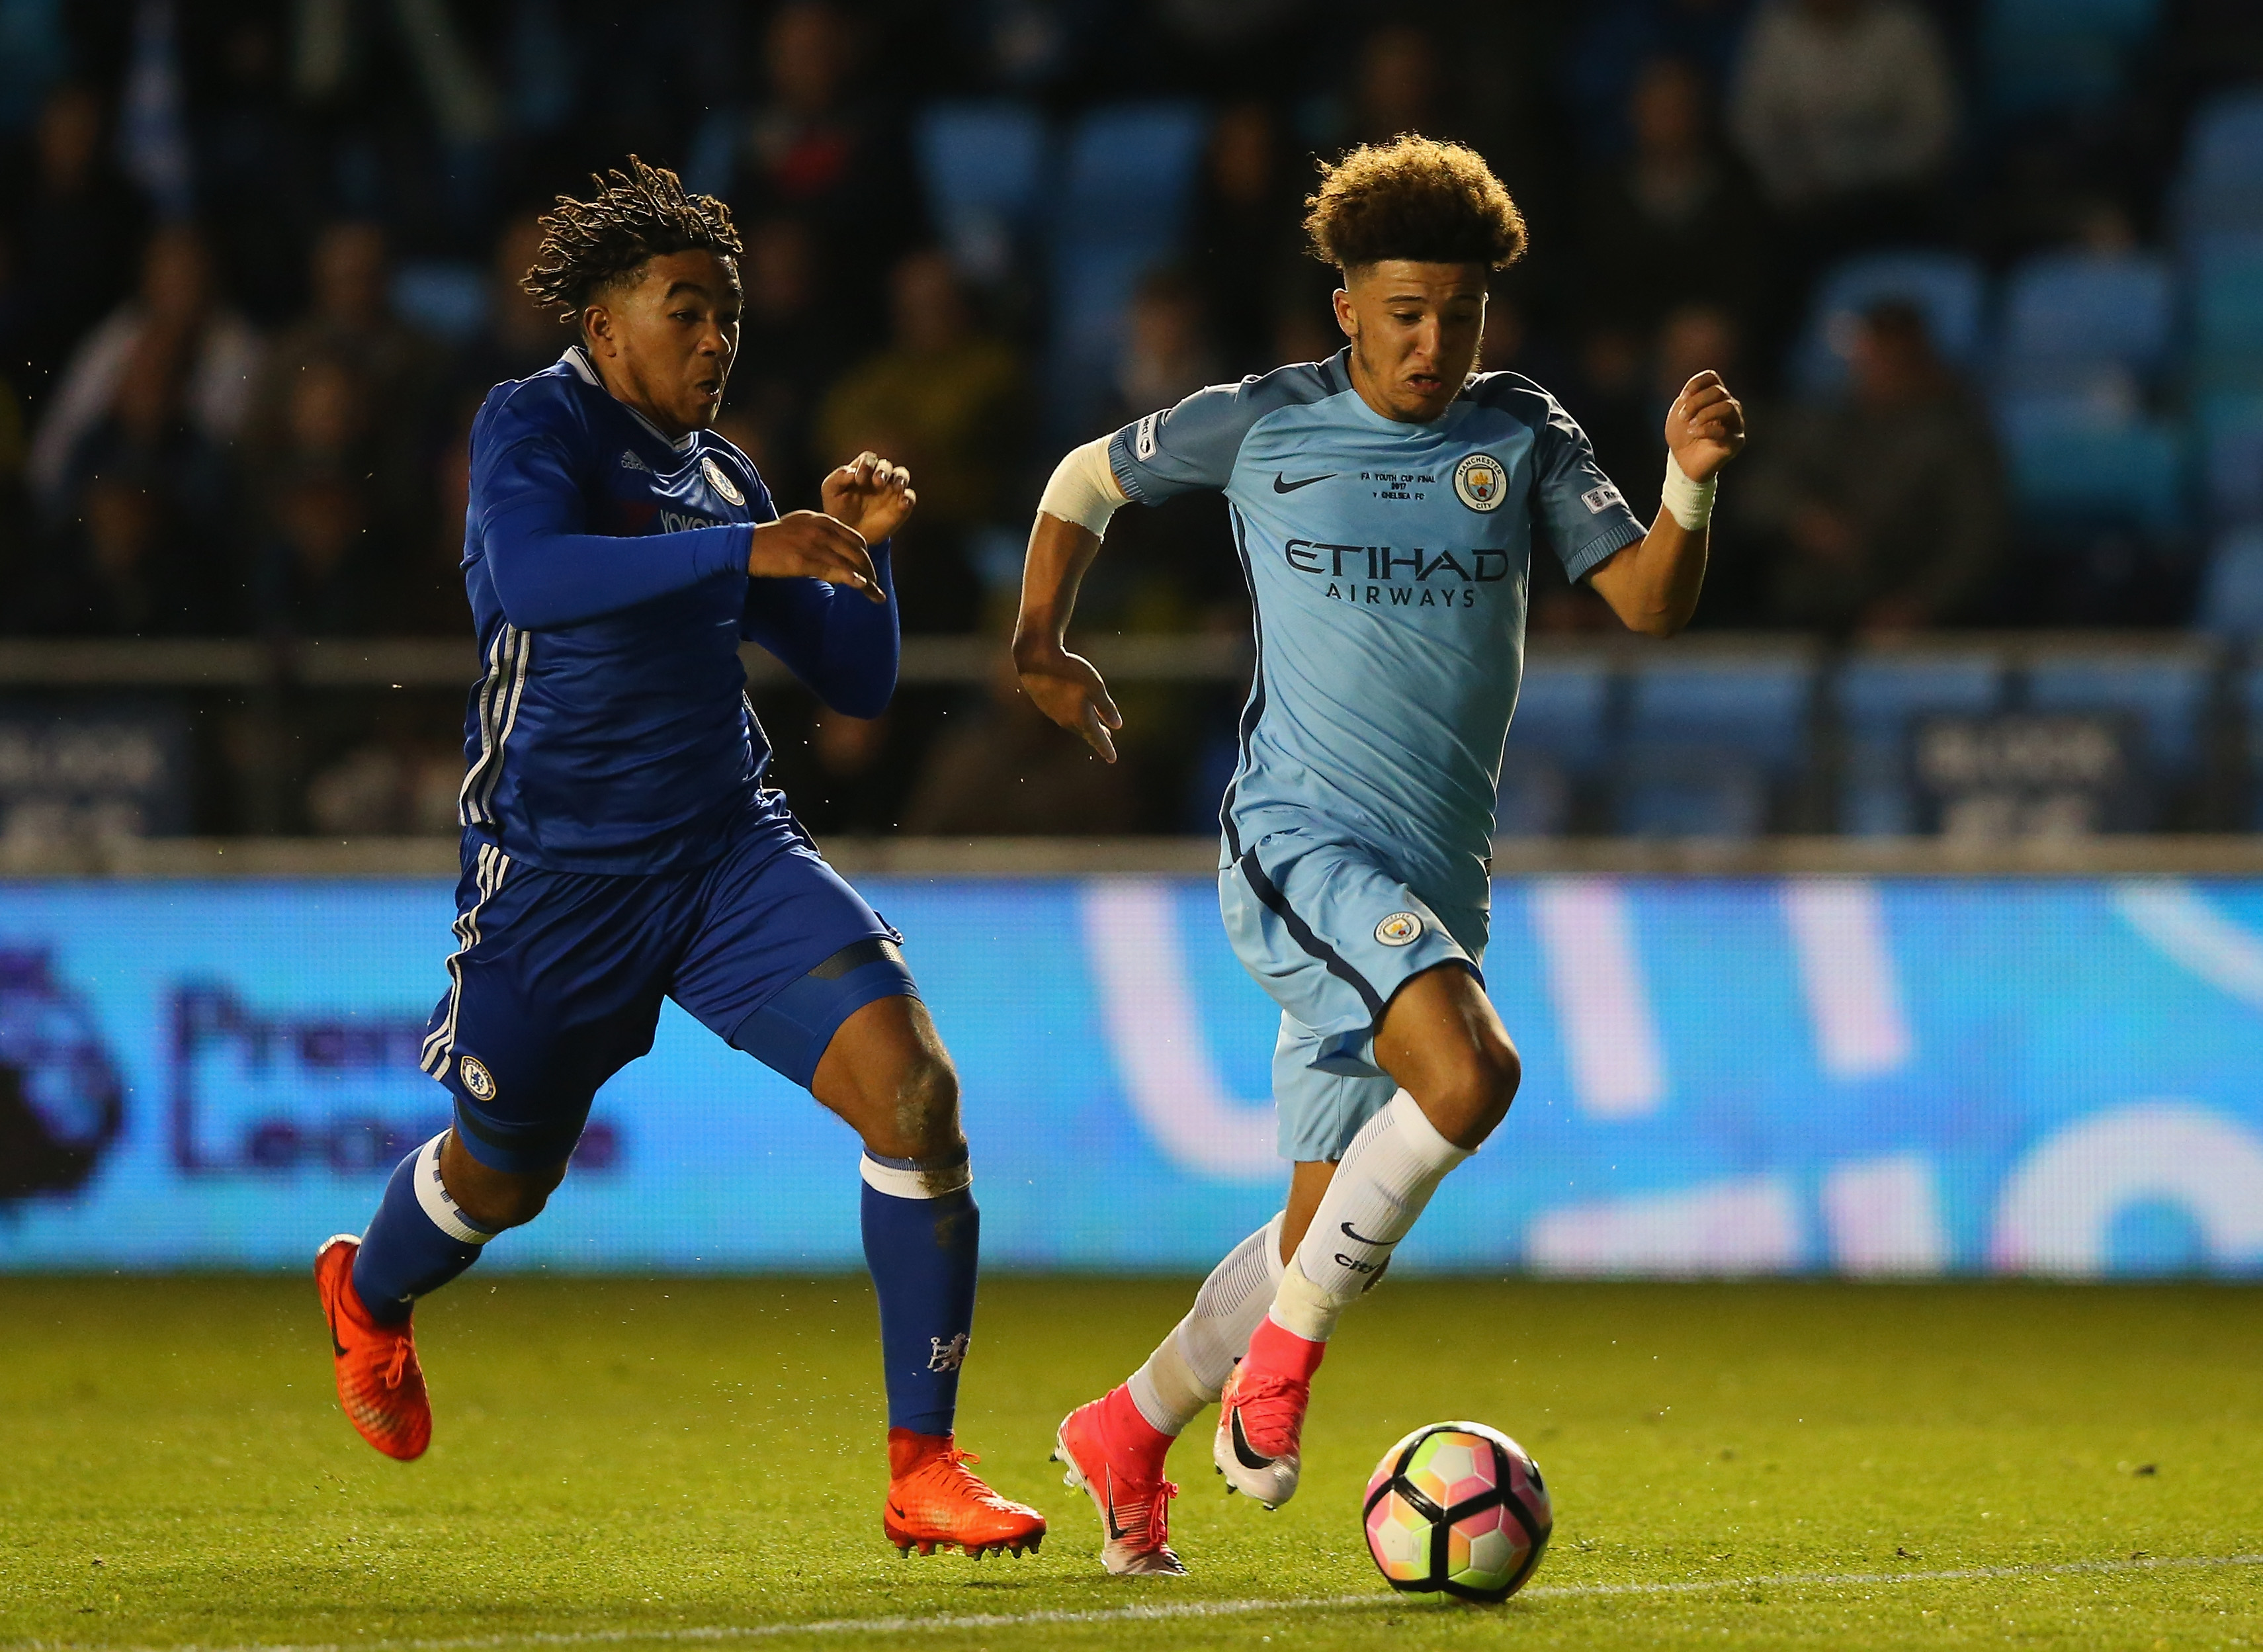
(1241, 1447)
(1281, 484)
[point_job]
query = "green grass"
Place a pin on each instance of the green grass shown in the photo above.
(615, 1456)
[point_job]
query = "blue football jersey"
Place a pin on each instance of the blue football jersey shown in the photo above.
(607, 570)
(1388, 567)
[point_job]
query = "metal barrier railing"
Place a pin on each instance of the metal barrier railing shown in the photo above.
(2166, 855)
(271, 683)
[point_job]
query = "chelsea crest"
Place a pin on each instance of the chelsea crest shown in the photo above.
(719, 480)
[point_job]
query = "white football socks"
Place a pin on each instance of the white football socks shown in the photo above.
(1189, 1369)
(1384, 1180)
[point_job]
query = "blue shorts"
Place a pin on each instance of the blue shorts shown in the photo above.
(1332, 937)
(558, 977)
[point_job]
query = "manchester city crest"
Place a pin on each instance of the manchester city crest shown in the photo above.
(1400, 928)
(1481, 481)
(719, 479)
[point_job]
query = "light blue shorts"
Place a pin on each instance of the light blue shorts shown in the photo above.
(1332, 937)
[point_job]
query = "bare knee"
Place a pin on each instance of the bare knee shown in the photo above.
(1470, 1093)
(886, 1074)
(923, 1123)
(496, 1200)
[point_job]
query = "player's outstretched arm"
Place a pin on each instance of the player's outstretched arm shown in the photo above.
(803, 569)
(1653, 585)
(1071, 519)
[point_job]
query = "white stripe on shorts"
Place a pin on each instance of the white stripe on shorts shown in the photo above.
(487, 872)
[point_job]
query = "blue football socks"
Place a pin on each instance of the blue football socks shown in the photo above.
(418, 1241)
(922, 1235)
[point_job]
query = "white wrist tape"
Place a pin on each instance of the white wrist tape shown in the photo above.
(1083, 488)
(1690, 503)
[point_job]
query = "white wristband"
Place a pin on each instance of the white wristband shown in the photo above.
(1688, 502)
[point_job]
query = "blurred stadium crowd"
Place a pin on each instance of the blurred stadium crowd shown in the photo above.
(1989, 273)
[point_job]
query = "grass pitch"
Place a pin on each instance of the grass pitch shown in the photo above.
(692, 1462)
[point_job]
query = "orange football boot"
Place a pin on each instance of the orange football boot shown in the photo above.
(935, 1501)
(380, 1385)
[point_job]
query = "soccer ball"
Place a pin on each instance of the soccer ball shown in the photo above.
(1457, 1507)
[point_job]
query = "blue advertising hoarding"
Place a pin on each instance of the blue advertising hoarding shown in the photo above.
(1722, 1076)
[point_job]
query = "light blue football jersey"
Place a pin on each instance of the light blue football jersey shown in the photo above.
(1388, 565)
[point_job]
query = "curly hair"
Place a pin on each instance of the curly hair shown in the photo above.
(1413, 198)
(641, 214)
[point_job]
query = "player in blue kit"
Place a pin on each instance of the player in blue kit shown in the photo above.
(620, 846)
(1386, 505)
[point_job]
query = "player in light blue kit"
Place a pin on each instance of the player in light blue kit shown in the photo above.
(1386, 505)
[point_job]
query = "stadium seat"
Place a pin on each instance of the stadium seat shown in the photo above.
(2041, 56)
(1131, 174)
(1880, 699)
(1946, 288)
(2232, 591)
(2068, 465)
(1124, 195)
(1708, 740)
(2228, 313)
(2247, 694)
(2221, 189)
(983, 166)
(443, 296)
(2231, 447)
(2074, 321)
(1559, 736)
(2166, 692)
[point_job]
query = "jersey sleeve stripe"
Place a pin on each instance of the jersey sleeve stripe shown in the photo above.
(1609, 545)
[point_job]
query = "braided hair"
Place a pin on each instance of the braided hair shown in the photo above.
(639, 214)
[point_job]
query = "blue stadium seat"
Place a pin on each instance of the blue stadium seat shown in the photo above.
(1665, 793)
(2228, 313)
(1946, 287)
(2247, 691)
(2052, 55)
(1881, 698)
(1124, 195)
(2231, 592)
(2231, 448)
(1707, 740)
(2070, 317)
(983, 165)
(2166, 692)
(2069, 466)
(1559, 736)
(2221, 189)
(1092, 288)
(1130, 173)
(446, 297)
